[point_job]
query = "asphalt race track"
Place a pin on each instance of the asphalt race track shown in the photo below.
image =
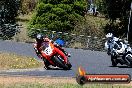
(94, 62)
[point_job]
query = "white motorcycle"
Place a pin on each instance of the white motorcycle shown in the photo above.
(121, 53)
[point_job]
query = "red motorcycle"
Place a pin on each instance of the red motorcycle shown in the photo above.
(54, 56)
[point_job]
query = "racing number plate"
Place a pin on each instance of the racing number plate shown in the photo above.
(48, 50)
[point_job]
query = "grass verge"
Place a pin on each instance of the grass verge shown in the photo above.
(13, 61)
(68, 85)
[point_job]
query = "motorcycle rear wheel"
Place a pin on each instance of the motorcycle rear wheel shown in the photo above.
(129, 58)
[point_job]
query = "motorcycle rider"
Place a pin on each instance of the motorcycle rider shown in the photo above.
(109, 43)
(39, 40)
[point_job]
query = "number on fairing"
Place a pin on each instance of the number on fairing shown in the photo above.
(48, 51)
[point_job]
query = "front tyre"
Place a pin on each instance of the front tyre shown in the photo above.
(60, 63)
(46, 64)
(114, 61)
(109, 51)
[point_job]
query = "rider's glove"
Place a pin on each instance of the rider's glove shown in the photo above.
(36, 50)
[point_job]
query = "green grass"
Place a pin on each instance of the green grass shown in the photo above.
(13, 61)
(38, 85)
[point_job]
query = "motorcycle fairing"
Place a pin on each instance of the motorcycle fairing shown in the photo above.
(47, 48)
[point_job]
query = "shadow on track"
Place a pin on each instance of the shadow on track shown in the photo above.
(121, 66)
(56, 68)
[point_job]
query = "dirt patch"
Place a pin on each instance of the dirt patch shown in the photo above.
(44, 80)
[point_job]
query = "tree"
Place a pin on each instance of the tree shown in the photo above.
(118, 12)
(57, 15)
(8, 12)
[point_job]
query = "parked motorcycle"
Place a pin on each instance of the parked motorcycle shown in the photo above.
(53, 57)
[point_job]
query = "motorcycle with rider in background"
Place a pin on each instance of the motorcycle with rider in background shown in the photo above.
(119, 50)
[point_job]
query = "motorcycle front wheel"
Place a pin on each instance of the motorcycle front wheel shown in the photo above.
(46, 64)
(114, 61)
(61, 64)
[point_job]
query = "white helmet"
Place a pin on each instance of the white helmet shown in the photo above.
(109, 35)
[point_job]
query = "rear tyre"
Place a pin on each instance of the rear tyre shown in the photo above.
(114, 61)
(129, 60)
